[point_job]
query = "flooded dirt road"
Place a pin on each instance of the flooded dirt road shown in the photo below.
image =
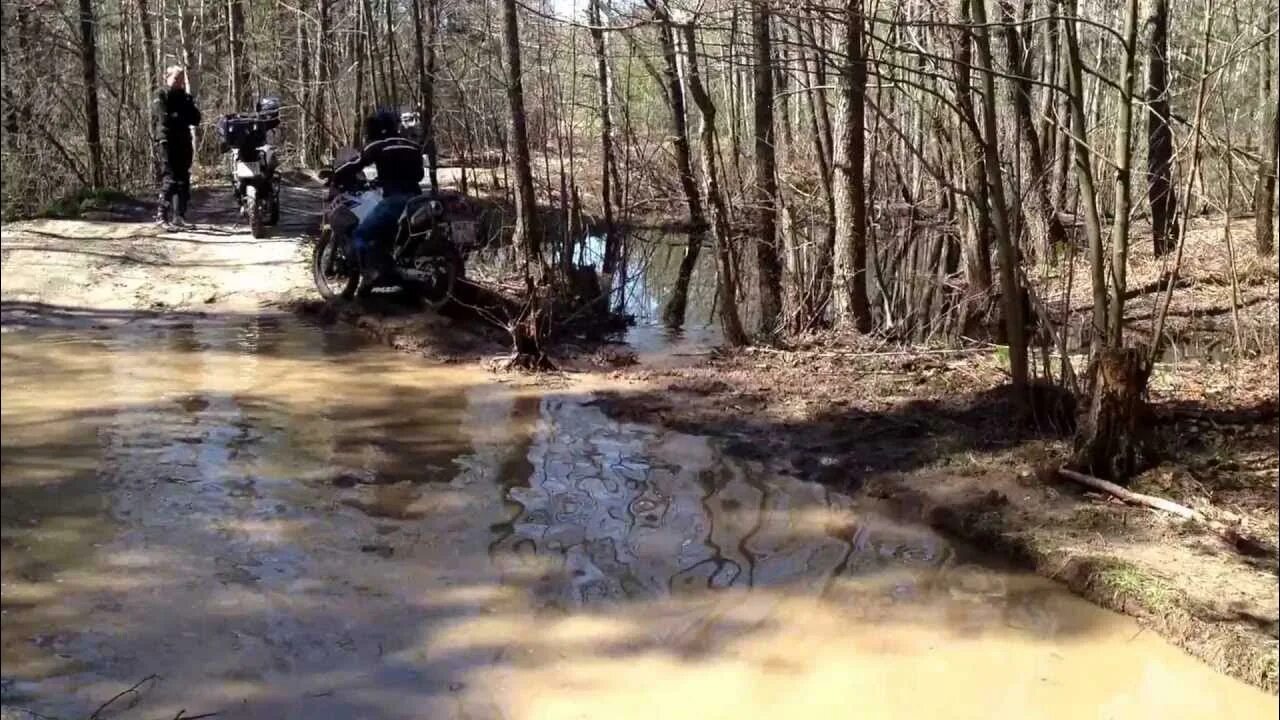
(281, 521)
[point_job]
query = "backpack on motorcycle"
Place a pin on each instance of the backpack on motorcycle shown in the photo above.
(241, 131)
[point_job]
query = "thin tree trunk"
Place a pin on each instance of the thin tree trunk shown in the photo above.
(730, 323)
(595, 16)
(1084, 177)
(849, 288)
(1264, 189)
(89, 66)
(820, 124)
(978, 253)
(1020, 66)
(358, 110)
(241, 93)
(305, 129)
(766, 180)
(148, 46)
(393, 92)
(1010, 291)
(527, 239)
(425, 60)
(674, 313)
(323, 75)
(1123, 158)
(1160, 192)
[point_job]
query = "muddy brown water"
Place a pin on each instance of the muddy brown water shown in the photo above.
(280, 521)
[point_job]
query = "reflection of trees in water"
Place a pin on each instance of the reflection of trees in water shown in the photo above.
(652, 263)
(615, 511)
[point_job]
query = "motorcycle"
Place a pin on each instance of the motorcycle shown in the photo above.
(253, 164)
(432, 237)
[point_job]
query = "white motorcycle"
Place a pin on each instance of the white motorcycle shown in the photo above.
(253, 163)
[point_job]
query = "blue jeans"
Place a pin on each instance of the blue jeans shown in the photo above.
(371, 234)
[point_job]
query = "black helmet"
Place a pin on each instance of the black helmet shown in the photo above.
(381, 125)
(269, 106)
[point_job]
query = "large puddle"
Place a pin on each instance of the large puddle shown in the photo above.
(281, 522)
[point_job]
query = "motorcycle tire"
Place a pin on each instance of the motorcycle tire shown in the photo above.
(336, 275)
(440, 291)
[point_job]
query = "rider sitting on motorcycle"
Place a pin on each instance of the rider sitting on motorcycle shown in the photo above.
(399, 164)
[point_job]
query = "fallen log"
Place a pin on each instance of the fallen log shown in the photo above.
(1242, 543)
(1129, 496)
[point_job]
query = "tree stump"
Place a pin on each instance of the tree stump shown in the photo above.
(1112, 439)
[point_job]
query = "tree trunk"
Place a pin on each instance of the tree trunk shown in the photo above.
(393, 92)
(673, 314)
(595, 16)
(849, 287)
(89, 66)
(1264, 189)
(819, 125)
(527, 240)
(1010, 290)
(1084, 177)
(425, 59)
(306, 126)
(1160, 192)
(766, 180)
(978, 252)
(241, 93)
(1123, 158)
(1020, 66)
(323, 75)
(730, 323)
(148, 46)
(1112, 440)
(358, 109)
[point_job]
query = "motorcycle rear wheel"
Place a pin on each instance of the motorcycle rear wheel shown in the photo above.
(439, 291)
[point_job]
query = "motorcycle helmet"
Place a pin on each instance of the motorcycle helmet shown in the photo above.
(269, 107)
(381, 125)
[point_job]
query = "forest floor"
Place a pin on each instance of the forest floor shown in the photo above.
(928, 432)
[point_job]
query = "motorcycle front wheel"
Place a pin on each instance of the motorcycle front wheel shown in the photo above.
(336, 275)
(254, 208)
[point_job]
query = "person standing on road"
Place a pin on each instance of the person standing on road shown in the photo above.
(173, 113)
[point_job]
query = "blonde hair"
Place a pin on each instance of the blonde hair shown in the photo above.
(173, 70)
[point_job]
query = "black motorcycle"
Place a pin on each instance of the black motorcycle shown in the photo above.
(432, 236)
(253, 163)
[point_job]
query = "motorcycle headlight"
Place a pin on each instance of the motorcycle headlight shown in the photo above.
(435, 208)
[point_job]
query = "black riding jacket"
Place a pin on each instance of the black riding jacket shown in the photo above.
(399, 163)
(173, 112)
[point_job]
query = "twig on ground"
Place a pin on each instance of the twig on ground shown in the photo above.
(97, 714)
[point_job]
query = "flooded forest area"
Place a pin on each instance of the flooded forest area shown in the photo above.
(792, 357)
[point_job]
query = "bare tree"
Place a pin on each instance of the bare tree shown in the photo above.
(766, 181)
(527, 238)
(1010, 288)
(674, 312)
(89, 66)
(730, 323)
(1160, 192)
(612, 245)
(849, 290)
